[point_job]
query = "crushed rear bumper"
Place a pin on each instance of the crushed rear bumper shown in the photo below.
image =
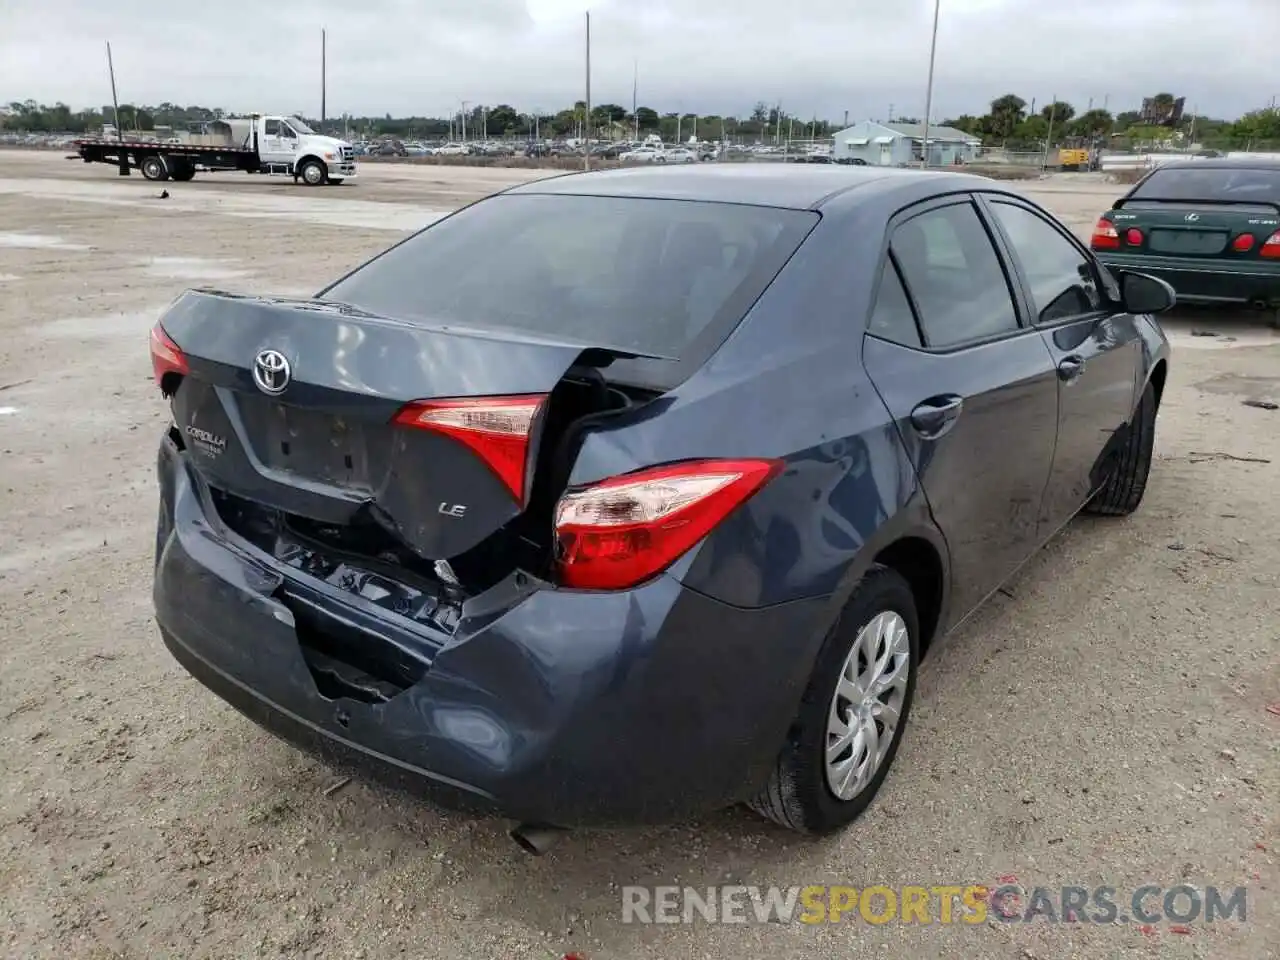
(558, 706)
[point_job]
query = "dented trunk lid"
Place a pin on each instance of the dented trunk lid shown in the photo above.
(325, 446)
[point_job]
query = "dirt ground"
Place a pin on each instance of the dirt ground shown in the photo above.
(1104, 721)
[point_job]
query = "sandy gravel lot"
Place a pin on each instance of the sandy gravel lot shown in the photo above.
(1104, 723)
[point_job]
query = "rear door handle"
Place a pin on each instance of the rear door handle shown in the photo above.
(935, 416)
(1070, 367)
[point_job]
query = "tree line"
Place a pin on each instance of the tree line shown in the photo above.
(1011, 122)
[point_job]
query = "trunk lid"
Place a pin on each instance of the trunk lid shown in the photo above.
(1226, 229)
(1199, 229)
(313, 432)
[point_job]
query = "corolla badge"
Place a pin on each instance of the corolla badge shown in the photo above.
(271, 371)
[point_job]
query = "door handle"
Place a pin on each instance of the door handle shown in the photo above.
(935, 416)
(1070, 367)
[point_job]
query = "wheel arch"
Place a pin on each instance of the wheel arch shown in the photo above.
(920, 563)
(311, 158)
(1159, 374)
(918, 552)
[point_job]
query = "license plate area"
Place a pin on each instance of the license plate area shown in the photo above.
(315, 445)
(1188, 242)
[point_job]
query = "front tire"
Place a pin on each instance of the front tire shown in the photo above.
(1123, 491)
(313, 173)
(859, 696)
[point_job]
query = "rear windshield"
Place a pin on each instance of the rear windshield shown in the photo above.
(661, 277)
(1235, 184)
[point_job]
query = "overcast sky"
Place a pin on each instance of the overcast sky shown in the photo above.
(700, 56)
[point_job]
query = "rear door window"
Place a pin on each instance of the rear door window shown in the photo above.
(892, 318)
(1062, 280)
(954, 276)
(1233, 184)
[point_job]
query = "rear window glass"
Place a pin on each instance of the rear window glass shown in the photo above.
(1245, 185)
(648, 276)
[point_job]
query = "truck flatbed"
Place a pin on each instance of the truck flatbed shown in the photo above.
(156, 145)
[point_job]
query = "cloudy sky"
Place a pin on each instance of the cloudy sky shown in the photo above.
(820, 57)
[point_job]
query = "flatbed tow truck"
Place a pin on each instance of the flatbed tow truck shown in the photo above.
(255, 144)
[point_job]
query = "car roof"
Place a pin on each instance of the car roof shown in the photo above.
(796, 186)
(1222, 163)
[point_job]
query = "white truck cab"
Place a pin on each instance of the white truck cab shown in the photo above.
(288, 145)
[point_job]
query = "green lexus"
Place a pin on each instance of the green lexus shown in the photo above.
(1210, 228)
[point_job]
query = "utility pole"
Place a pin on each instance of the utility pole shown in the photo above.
(586, 120)
(115, 106)
(323, 78)
(928, 96)
(846, 118)
(1053, 112)
(890, 120)
(464, 121)
(635, 85)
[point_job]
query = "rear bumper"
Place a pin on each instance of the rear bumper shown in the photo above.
(1204, 281)
(564, 707)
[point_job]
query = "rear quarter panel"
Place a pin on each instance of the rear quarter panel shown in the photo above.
(788, 383)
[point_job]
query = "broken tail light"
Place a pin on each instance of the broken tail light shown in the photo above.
(1104, 236)
(1271, 249)
(496, 429)
(166, 357)
(620, 532)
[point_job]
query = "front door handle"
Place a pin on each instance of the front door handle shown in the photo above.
(1070, 367)
(935, 416)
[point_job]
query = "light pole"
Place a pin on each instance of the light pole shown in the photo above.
(928, 96)
(586, 123)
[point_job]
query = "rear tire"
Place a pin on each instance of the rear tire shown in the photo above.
(800, 794)
(183, 171)
(1123, 491)
(154, 168)
(313, 173)
(335, 181)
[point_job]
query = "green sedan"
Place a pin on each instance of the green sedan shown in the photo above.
(1210, 228)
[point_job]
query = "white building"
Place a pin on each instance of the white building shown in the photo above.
(898, 144)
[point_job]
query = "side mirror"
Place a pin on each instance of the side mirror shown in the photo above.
(1142, 293)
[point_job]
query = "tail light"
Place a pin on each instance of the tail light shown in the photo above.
(624, 530)
(166, 356)
(1133, 236)
(1104, 236)
(1271, 249)
(1242, 243)
(496, 429)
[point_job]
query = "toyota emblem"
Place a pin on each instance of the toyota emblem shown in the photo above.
(271, 372)
(1192, 217)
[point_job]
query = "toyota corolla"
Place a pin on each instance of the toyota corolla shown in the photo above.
(623, 496)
